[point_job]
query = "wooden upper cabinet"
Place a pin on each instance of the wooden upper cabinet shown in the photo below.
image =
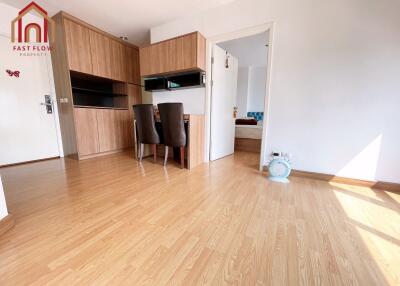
(78, 47)
(201, 52)
(118, 61)
(189, 51)
(144, 56)
(183, 53)
(95, 52)
(100, 47)
(132, 65)
(159, 58)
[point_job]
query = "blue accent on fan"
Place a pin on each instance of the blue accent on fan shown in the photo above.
(257, 115)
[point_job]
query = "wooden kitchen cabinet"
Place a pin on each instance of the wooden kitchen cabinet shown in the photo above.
(78, 47)
(134, 93)
(134, 96)
(118, 61)
(132, 65)
(179, 54)
(174, 54)
(100, 130)
(94, 52)
(123, 129)
(107, 129)
(145, 58)
(188, 54)
(159, 58)
(86, 129)
(88, 61)
(113, 129)
(100, 47)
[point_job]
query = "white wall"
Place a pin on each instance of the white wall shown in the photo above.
(251, 50)
(3, 206)
(257, 86)
(6, 13)
(192, 99)
(334, 79)
(251, 90)
(242, 89)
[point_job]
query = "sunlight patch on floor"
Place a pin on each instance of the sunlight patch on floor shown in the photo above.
(357, 190)
(364, 210)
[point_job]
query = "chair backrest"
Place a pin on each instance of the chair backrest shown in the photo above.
(173, 126)
(145, 124)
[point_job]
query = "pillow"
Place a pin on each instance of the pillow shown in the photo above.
(257, 115)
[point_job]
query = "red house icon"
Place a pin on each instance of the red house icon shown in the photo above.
(24, 30)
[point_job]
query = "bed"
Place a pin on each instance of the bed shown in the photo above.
(248, 132)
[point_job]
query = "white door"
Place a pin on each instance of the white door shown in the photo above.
(27, 131)
(223, 101)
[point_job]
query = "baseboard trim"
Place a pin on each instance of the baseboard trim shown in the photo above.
(84, 157)
(392, 187)
(29, 162)
(6, 224)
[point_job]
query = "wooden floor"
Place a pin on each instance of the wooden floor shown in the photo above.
(112, 221)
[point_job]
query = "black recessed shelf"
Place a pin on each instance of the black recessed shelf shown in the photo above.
(96, 92)
(175, 81)
(100, 107)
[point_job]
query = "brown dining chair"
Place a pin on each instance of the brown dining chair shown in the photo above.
(146, 130)
(173, 127)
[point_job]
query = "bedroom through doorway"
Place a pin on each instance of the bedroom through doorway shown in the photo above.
(238, 94)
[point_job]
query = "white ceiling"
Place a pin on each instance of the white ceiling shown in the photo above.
(250, 51)
(131, 18)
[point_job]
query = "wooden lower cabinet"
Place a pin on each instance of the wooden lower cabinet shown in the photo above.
(87, 137)
(114, 130)
(125, 127)
(102, 130)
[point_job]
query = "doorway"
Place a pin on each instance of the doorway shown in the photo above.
(28, 115)
(239, 92)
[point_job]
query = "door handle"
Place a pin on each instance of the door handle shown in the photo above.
(48, 102)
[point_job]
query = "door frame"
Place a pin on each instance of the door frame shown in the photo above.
(50, 77)
(246, 32)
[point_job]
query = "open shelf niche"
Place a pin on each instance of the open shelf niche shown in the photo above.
(97, 92)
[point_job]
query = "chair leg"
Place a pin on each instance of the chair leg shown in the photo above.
(141, 149)
(182, 148)
(165, 155)
(154, 147)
